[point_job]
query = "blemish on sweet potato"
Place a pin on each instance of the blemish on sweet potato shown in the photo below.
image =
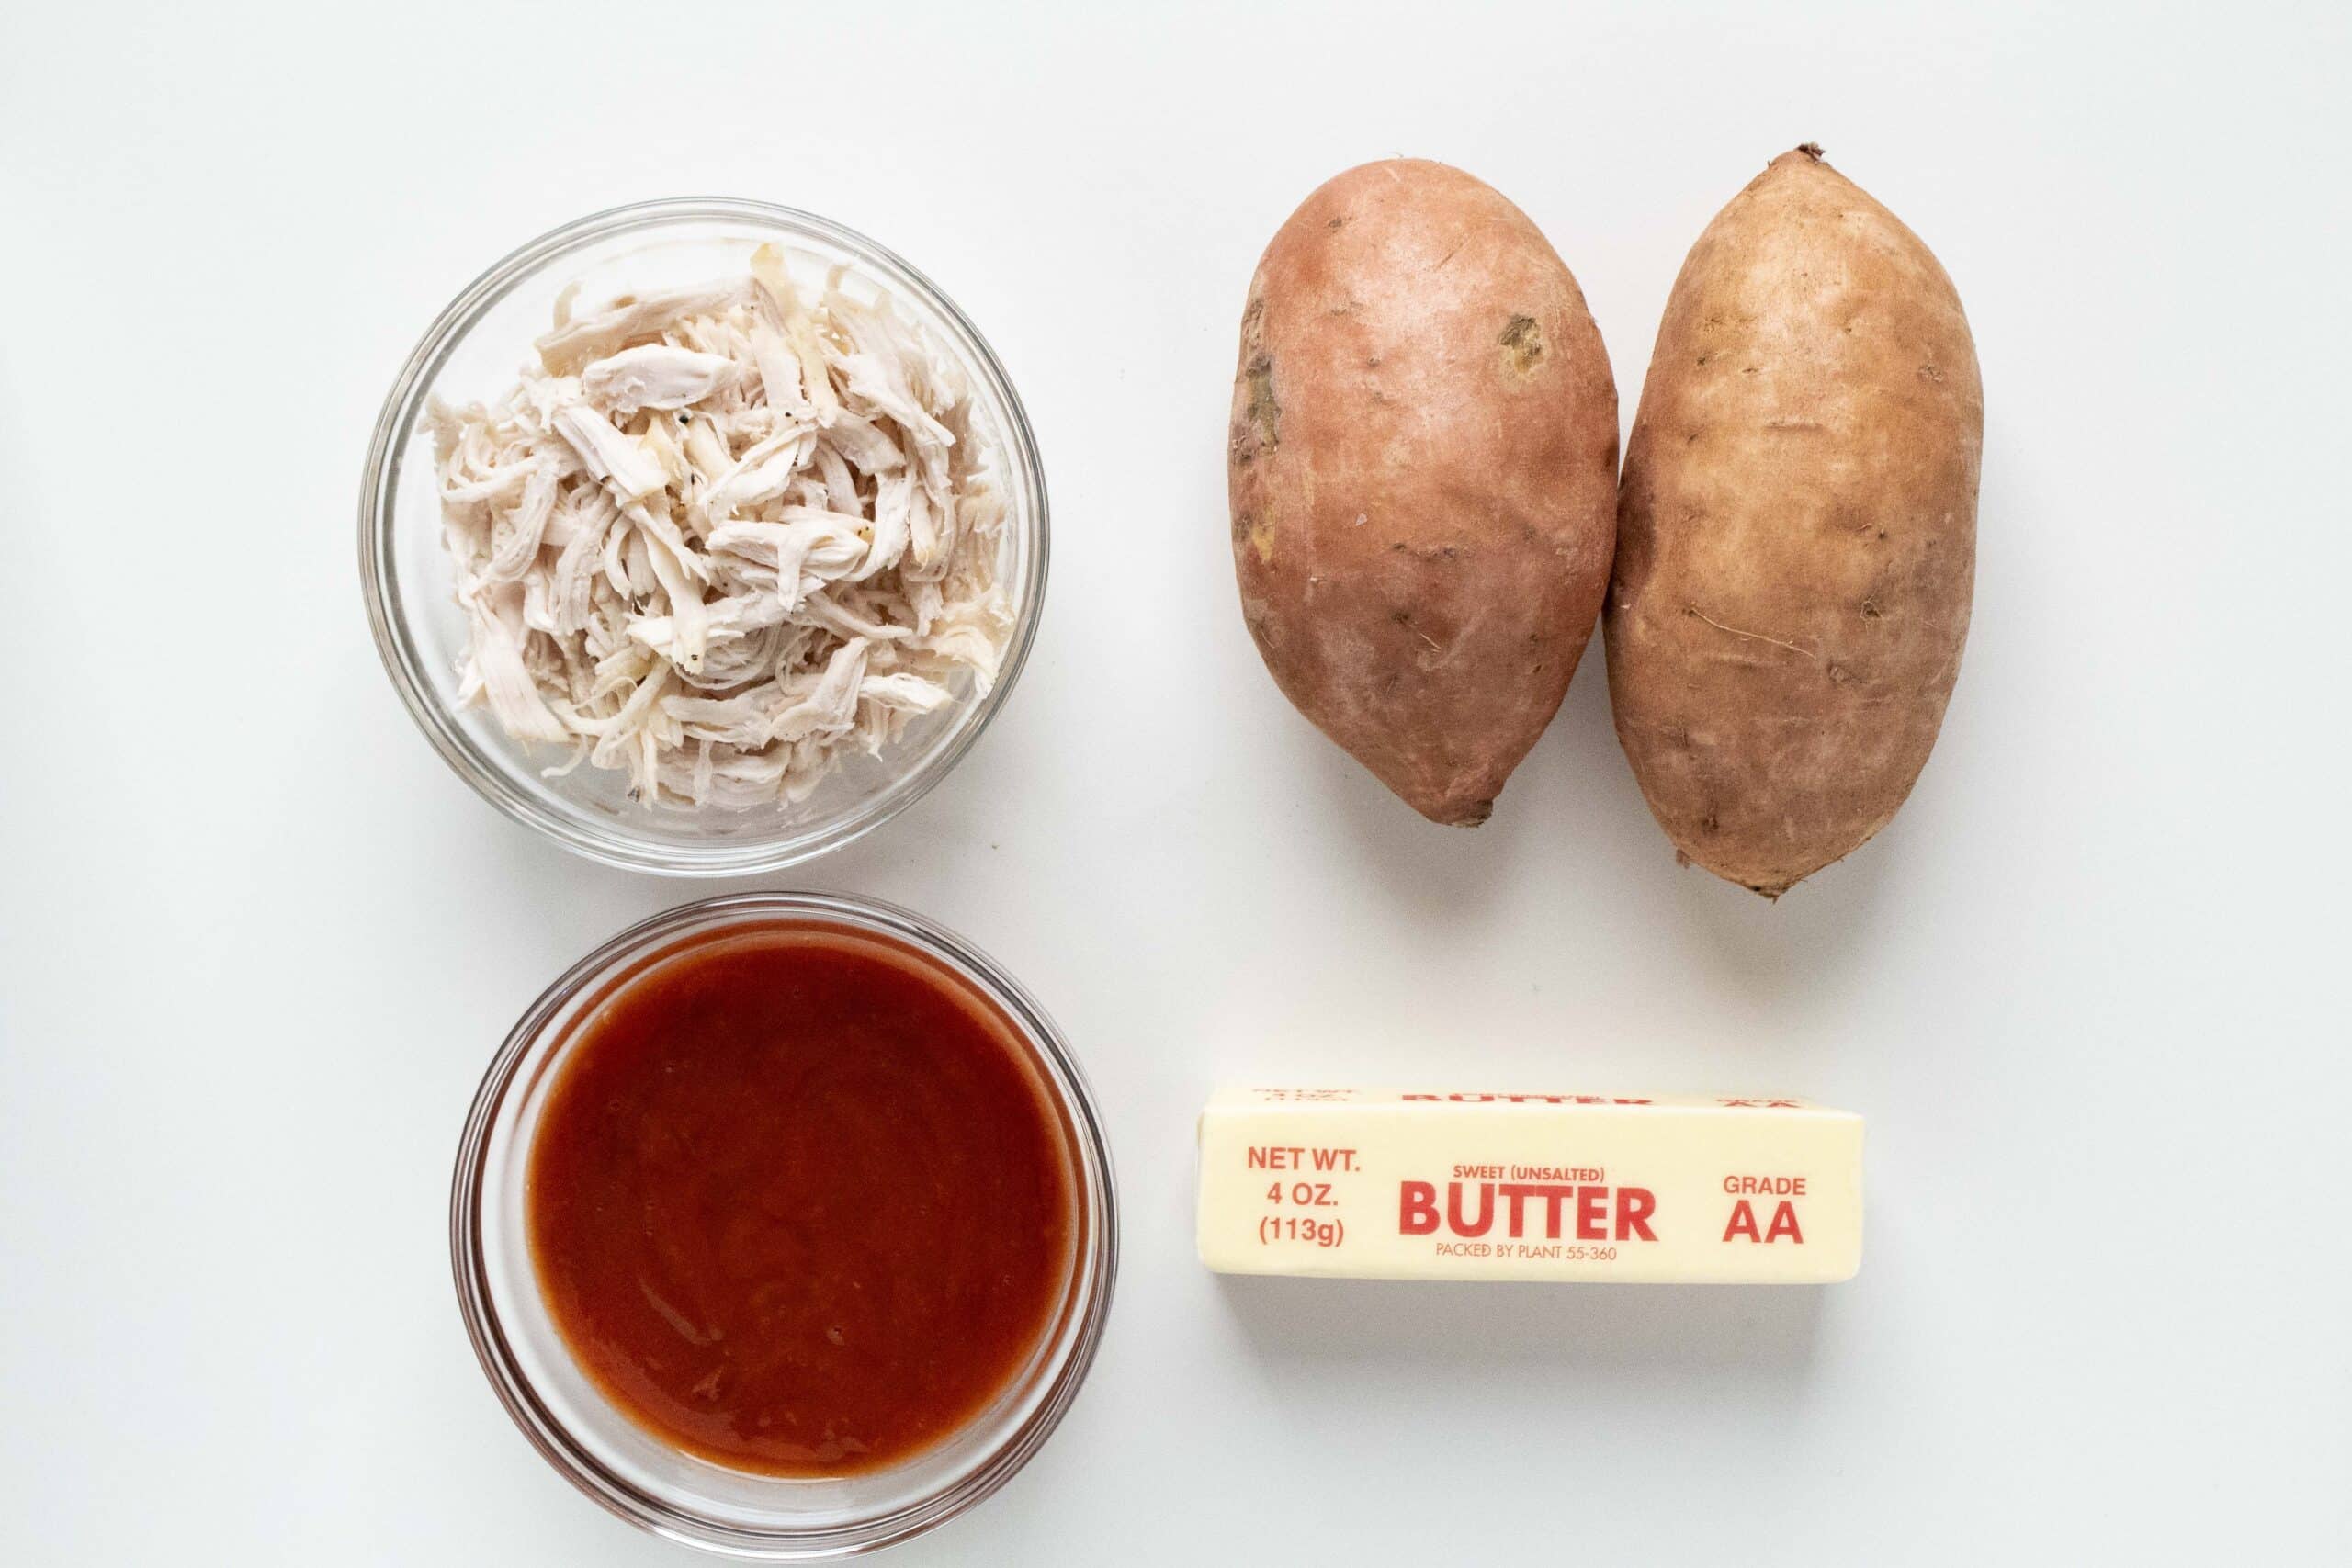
(1522, 343)
(1265, 412)
(1256, 532)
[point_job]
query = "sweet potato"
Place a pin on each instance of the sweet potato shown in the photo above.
(1422, 470)
(1796, 529)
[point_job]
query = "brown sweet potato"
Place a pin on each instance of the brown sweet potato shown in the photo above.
(1796, 529)
(1422, 472)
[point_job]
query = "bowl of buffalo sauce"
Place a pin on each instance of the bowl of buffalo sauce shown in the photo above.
(784, 1226)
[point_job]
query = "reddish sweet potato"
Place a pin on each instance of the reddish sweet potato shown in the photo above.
(1422, 473)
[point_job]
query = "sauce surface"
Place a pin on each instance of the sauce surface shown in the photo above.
(798, 1203)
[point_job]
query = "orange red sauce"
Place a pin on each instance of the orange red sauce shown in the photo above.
(799, 1202)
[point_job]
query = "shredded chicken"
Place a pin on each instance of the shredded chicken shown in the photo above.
(717, 536)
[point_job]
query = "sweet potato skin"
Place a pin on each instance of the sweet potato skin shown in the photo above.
(1421, 470)
(1796, 530)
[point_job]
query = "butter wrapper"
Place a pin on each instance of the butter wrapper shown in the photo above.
(1396, 1184)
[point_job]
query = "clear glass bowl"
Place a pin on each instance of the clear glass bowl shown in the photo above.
(620, 1465)
(473, 351)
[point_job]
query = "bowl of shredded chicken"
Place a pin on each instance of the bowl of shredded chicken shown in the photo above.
(703, 536)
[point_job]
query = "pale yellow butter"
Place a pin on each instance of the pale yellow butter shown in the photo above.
(1390, 1184)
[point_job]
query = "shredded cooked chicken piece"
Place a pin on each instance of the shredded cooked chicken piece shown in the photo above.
(717, 536)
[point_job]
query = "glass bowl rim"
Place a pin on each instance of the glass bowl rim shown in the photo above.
(404, 661)
(1095, 1272)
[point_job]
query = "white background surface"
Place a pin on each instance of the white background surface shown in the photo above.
(259, 943)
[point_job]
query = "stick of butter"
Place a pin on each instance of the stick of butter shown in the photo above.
(1389, 1184)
